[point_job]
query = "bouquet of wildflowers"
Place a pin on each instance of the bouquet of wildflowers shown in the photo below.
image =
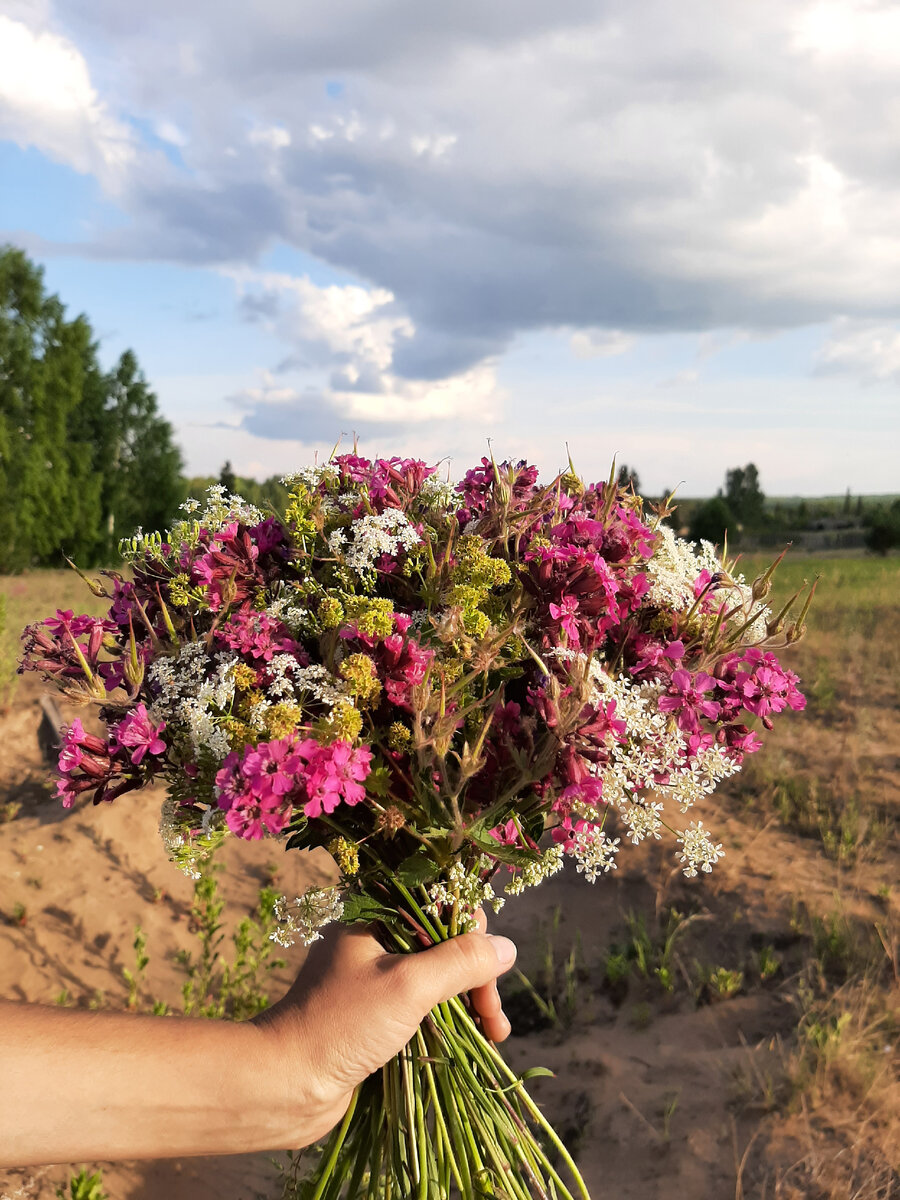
(453, 689)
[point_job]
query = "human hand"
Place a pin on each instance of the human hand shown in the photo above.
(354, 1006)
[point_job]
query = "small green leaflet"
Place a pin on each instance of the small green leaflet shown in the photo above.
(358, 906)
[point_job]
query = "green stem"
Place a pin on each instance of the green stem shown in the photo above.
(440, 1124)
(533, 1109)
(336, 1145)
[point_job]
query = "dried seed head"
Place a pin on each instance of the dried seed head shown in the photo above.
(390, 821)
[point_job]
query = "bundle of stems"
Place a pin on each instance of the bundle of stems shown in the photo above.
(446, 1117)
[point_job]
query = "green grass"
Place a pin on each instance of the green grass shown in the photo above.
(853, 595)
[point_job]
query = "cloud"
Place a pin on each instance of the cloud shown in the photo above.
(600, 343)
(495, 169)
(868, 350)
(350, 333)
(722, 173)
(47, 100)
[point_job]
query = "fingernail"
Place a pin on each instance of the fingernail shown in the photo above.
(504, 949)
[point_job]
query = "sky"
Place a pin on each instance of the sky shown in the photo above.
(666, 232)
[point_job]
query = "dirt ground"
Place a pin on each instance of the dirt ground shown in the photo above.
(665, 1087)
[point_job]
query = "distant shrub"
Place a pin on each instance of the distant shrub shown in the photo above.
(711, 521)
(883, 532)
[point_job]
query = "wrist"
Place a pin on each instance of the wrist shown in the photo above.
(297, 1089)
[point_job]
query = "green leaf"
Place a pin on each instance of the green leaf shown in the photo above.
(416, 870)
(479, 835)
(531, 1073)
(378, 781)
(298, 832)
(359, 906)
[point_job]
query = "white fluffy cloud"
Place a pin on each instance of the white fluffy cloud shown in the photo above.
(610, 170)
(353, 331)
(47, 100)
(514, 166)
(866, 349)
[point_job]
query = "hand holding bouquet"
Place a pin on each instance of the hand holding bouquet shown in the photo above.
(453, 689)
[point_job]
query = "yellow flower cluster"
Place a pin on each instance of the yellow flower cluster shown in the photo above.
(360, 673)
(473, 576)
(346, 854)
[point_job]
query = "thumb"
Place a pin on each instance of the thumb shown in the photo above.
(457, 965)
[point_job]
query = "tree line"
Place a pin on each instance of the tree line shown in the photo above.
(85, 456)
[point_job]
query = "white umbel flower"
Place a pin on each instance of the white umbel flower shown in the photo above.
(594, 852)
(372, 536)
(305, 916)
(698, 850)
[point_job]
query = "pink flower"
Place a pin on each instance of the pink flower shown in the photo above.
(565, 832)
(272, 767)
(565, 614)
(506, 835)
(88, 764)
(138, 732)
(251, 817)
(686, 697)
(257, 635)
(333, 774)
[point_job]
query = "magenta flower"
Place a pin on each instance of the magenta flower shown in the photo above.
(565, 832)
(137, 732)
(506, 835)
(259, 636)
(251, 816)
(272, 767)
(687, 698)
(565, 614)
(333, 774)
(88, 764)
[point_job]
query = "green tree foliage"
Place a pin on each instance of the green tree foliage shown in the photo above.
(84, 455)
(883, 529)
(628, 477)
(228, 479)
(144, 486)
(711, 521)
(744, 496)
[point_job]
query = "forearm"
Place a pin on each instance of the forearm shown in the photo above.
(80, 1086)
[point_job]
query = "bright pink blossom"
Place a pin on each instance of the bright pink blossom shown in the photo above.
(252, 816)
(687, 697)
(564, 612)
(271, 768)
(506, 835)
(138, 733)
(333, 774)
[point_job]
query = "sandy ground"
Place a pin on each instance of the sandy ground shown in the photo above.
(648, 1085)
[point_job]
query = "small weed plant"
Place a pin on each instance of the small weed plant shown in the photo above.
(84, 1187)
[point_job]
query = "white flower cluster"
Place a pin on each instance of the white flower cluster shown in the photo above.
(186, 850)
(318, 682)
(533, 873)
(311, 477)
(655, 746)
(698, 850)
(372, 536)
(594, 852)
(700, 778)
(674, 566)
(466, 890)
(220, 510)
(187, 697)
(299, 620)
(439, 493)
(305, 916)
